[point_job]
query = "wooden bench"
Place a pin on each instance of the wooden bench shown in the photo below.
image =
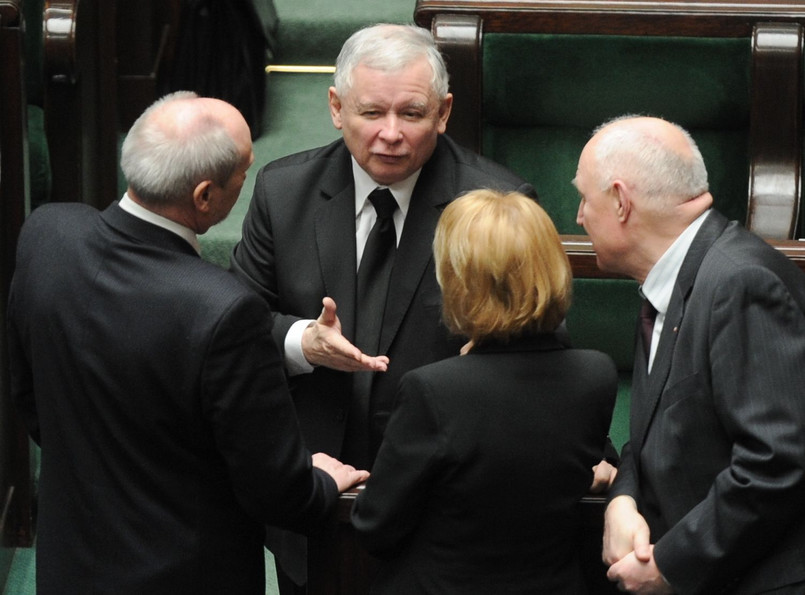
(763, 38)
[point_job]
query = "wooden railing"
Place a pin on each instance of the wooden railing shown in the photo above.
(338, 565)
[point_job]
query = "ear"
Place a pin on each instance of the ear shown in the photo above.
(201, 196)
(621, 201)
(335, 108)
(444, 112)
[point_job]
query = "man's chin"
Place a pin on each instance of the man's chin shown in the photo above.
(388, 175)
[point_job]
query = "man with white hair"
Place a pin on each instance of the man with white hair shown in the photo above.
(708, 497)
(151, 381)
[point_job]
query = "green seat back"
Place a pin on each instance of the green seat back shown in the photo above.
(544, 94)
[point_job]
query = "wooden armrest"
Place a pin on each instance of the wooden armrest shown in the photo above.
(9, 13)
(582, 258)
(775, 145)
(459, 38)
(59, 23)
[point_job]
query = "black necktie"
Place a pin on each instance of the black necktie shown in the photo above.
(647, 316)
(374, 274)
(375, 271)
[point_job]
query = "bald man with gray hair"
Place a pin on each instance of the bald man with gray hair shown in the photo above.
(708, 497)
(151, 381)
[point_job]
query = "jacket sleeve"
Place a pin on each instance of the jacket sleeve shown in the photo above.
(247, 401)
(756, 351)
(410, 457)
(252, 258)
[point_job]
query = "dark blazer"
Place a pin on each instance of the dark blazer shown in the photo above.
(298, 246)
(484, 460)
(716, 458)
(152, 383)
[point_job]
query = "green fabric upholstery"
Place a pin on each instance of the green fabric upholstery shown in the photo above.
(543, 95)
(603, 315)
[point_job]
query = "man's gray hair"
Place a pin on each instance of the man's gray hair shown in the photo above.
(390, 48)
(653, 168)
(163, 164)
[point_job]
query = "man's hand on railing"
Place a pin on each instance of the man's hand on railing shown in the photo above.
(603, 475)
(345, 476)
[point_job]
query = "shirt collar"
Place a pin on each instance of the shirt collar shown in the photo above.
(659, 284)
(364, 184)
(139, 211)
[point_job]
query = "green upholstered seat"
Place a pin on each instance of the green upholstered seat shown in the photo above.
(543, 95)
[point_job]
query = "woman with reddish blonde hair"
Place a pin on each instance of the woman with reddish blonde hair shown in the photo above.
(487, 454)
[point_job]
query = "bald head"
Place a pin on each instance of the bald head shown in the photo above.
(642, 181)
(180, 141)
(659, 160)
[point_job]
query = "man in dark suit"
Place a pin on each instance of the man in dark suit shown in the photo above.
(304, 236)
(308, 223)
(151, 380)
(709, 494)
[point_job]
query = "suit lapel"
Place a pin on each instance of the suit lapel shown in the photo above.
(334, 223)
(653, 385)
(431, 193)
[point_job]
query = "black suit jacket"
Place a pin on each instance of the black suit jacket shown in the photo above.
(716, 458)
(476, 485)
(298, 246)
(152, 383)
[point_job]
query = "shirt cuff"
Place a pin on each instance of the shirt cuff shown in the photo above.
(295, 362)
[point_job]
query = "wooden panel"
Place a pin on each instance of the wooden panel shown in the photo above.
(626, 17)
(582, 258)
(80, 100)
(775, 143)
(15, 503)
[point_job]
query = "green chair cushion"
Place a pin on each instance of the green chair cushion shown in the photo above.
(544, 94)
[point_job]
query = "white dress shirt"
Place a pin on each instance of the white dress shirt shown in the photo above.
(365, 217)
(139, 211)
(659, 284)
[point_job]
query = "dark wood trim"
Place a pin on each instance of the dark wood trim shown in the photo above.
(775, 143)
(696, 18)
(15, 485)
(81, 100)
(459, 37)
(579, 250)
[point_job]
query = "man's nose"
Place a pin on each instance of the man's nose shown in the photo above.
(391, 131)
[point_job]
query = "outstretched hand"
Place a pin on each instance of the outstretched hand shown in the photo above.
(324, 345)
(345, 476)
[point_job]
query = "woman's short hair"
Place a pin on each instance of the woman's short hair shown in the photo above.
(390, 48)
(164, 163)
(501, 266)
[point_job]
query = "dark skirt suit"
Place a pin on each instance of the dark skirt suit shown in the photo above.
(483, 463)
